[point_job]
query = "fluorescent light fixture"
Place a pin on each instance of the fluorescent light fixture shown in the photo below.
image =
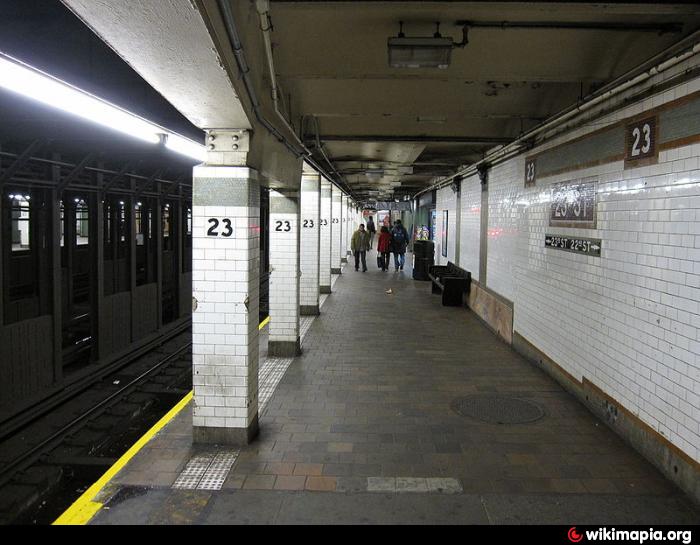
(27, 81)
(420, 52)
(186, 147)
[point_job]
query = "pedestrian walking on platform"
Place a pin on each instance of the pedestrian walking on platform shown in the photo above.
(359, 246)
(384, 247)
(399, 242)
(371, 229)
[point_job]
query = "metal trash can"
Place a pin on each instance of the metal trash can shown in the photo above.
(423, 259)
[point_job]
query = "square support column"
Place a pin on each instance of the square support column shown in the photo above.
(324, 279)
(337, 231)
(284, 275)
(225, 286)
(351, 227)
(344, 228)
(310, 244)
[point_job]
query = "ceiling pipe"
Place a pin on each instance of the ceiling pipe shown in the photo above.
(244, 71)
(659, 63)
(263, 7)
(661, 28)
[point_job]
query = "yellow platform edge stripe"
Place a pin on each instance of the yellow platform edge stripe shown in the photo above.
(84, 508)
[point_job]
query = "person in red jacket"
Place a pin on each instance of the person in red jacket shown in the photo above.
(384, 247)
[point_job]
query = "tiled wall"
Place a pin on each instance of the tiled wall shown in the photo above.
(470, 227)
(225, 273)
(336, 228)
(325, 234)
(629, 320)
(310, 228)
(284, 267)
(446, 200)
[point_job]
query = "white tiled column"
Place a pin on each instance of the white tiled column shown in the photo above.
(324, 278)
(310, 244)
(352, 226)
(284, 275)
(344, 228)
(225, 289)
(336, 230)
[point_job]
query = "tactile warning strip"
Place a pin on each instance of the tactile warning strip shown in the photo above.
(206, 471)
(217, 472)
(193, 472)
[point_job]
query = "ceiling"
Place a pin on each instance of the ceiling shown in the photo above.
(390, 131)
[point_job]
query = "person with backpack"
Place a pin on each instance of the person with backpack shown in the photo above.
(371, 229)
(399, 242)
(383, 248)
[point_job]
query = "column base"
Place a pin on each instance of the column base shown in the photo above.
(336, 270)
(236, 437)
(326, 290)
(309, 310)
(284, 349)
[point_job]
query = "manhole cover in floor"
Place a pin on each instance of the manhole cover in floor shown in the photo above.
(496, 409)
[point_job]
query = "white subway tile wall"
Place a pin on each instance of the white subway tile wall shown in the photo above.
(326, 231)
(628, 321)
(284, 267)
(310, 240)
(224, 333)
(344, 226)
(446, 200)
(470, 228)
(336, 228)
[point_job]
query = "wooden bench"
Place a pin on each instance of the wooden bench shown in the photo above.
(452, 281)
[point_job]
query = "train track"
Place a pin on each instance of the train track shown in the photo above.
(45, 464)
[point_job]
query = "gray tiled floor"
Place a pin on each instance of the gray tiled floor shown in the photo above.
(367, 405)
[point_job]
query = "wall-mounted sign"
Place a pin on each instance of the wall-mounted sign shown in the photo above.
(640, 143)
(578, 245)
(573, 205)
(530, 172)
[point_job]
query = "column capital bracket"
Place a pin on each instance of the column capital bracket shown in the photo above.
(227, 147)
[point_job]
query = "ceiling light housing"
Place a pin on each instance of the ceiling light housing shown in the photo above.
(420, 52)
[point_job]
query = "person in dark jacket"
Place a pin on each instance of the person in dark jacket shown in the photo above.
(371, 229)
(399, 242)
(384, 247)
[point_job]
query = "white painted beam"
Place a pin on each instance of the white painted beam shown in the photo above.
(169, 45)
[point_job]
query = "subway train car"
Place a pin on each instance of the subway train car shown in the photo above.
(95, 268)
(95, 265)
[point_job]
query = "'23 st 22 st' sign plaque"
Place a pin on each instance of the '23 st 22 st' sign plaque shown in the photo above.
(573, 205)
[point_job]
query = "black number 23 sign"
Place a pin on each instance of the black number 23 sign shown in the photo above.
(219, 227)
(284, 226)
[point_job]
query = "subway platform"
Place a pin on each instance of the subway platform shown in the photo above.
(363, 428)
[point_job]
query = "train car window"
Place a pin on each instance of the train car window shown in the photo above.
(138, 210)
(167, 239)
(146, 242)
(63, 213)
(82, 222)
(187, 240)
(21, 222)
(123, 226)
(108, 228)
(117, 254)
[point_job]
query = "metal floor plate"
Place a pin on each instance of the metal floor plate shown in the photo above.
(498, 409)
